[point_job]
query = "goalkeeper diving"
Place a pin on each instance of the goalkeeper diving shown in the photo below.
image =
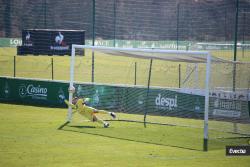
(80, 105)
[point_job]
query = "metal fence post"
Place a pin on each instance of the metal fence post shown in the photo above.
(148, 86)
(93, 44)
(52, 69)
(14, 66)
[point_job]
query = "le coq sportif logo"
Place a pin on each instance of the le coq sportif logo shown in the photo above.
(59, 43)
(59, 39)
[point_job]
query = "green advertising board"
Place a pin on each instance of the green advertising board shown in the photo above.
(10, 42)
(135, 100)
(127, 99)
(120, 98)
(174, 103)
(229, 109)
(101, 96)
(33, 92)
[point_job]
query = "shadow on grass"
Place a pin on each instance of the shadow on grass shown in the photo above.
(81, 127)
(184, 143)
(125, 139)
(73, 126)
(138, 141)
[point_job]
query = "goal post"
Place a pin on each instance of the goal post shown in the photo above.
(71, 88)
(208, 64)
(158, 54)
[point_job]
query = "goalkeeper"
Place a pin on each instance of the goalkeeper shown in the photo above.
(80, 105)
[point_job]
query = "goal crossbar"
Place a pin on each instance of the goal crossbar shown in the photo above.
(152, 53)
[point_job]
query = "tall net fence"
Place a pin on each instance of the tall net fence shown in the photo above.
(166, 24)
(44, 14)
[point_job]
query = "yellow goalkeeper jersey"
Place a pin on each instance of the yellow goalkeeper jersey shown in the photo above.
(89, 112)
(83, 109)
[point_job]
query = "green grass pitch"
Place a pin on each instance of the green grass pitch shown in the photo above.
(30, 137)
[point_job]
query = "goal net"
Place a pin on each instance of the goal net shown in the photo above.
(186, 99)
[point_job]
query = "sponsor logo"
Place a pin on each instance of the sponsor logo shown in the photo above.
(96, 98)
(6, 90)
(141, 100)
(237, 150)
(229, 95)
(59, 47)
(28, 41)
(227, 108)
(227, 113)
(60, 44)
(227, 104)
(36, 92)
(27, 37)
(197, 107)
(59, 39)
(61, 96)
(15, 42)
(166, 102)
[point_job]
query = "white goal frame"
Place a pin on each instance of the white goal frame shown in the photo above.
(176, 53)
